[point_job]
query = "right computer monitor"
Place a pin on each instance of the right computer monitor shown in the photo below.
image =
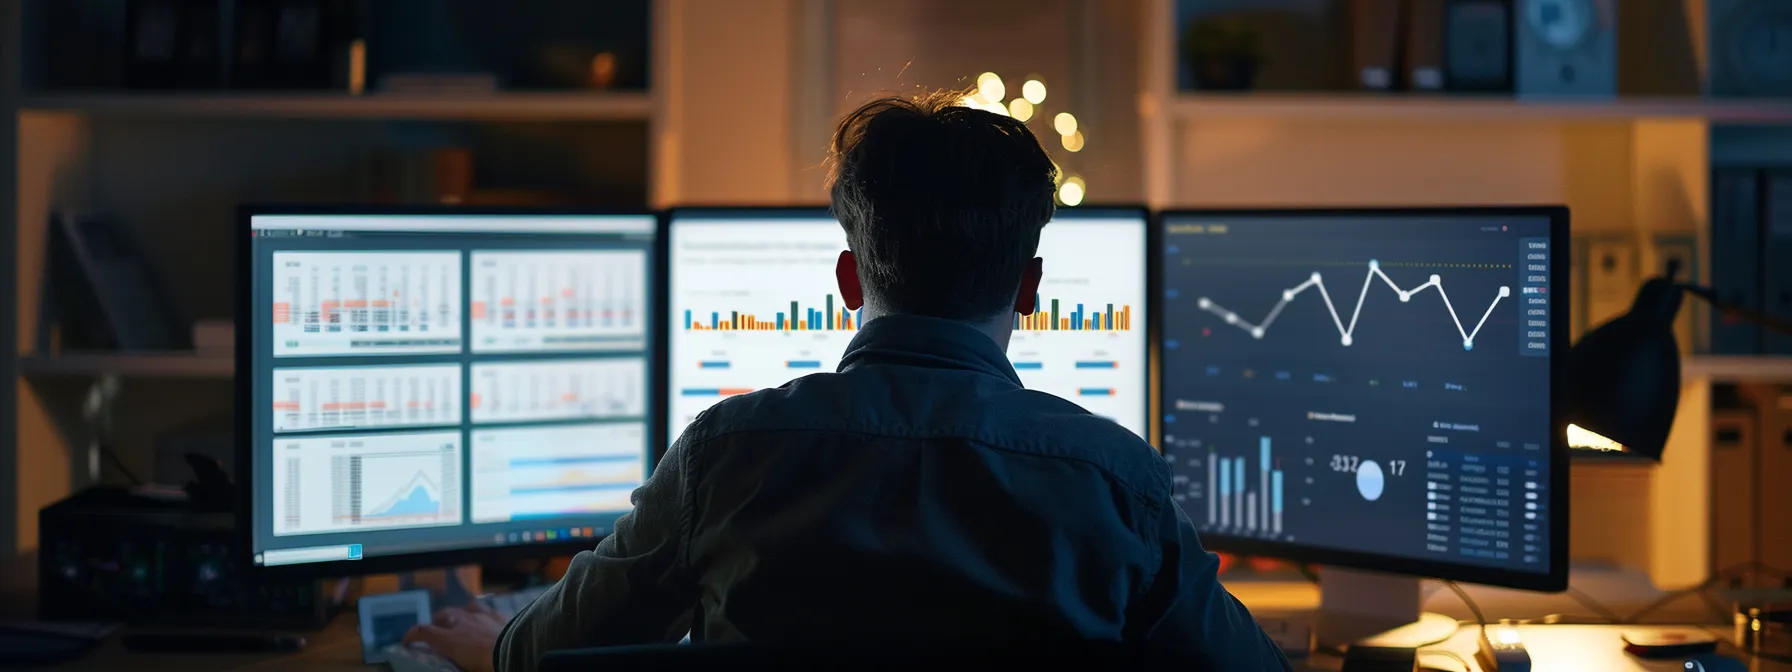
(1371, 388)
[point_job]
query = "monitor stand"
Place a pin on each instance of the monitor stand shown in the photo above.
(1375, 609)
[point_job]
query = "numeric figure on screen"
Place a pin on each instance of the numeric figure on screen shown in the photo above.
(919, 495)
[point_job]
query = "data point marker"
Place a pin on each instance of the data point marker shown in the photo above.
(1505, 291)
(1468, 345)
(1346, 339)
(1436, 280)
(1204, 303)
(1257, 332)
(1373, 264)
(1315, 276)
(1231, 319)
(1287, 295)
(1405, 297)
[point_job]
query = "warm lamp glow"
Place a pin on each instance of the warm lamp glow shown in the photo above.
(1507, 636)
(1073, 142)
(990, 85)
(1071, 191)
(1033, 91)
(1580, 438)
(1020, 109)
(996, 108)
(1065, 123)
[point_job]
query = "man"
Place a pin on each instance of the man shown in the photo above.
(919, 493)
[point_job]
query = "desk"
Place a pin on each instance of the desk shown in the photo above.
(1564, 648)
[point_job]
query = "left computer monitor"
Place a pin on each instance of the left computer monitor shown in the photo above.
(426, 387)
(754, 304)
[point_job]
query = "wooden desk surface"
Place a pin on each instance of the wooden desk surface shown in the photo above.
(1567, 648)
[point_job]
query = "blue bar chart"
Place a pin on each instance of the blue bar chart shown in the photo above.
(1239, 506)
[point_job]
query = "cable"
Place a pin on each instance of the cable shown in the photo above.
(1587, 601)
(1480, 619)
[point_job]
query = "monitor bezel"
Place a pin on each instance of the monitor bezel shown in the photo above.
(1553, 580)
(1150, 300)
(245, 406)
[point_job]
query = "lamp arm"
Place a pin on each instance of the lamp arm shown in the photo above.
(1749, 314)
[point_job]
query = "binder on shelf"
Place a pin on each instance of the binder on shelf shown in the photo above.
(1425, 45)
(1374, 43)
(1775, 464)
(1734, 445)
(1681, 250)
(99, 293)
(1776, 264)
(1735, 258)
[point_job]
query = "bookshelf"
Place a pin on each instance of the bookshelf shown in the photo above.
(1385, 107)
(200, 365)
(495, 107)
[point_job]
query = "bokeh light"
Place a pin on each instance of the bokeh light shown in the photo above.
(1073, 142)
(1071, 191)
(990, 86)
(1020, 109)
(1033, 91)
(1065, 123)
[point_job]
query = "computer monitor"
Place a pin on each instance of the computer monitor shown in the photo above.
(754, 304)
(1378, 389)
(423, 387)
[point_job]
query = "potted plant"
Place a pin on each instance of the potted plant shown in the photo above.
(1222, 52)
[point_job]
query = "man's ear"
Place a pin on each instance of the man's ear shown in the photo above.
(846, 272)
(1026, 301)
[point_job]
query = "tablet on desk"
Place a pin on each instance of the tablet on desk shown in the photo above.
(385, 619)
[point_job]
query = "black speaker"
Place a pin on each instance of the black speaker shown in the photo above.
(1750, 47)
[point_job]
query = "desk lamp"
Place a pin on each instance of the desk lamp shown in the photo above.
(1624, 376)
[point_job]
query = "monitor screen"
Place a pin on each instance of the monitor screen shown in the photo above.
(755, 304)
(422, 384)
(1368, 388)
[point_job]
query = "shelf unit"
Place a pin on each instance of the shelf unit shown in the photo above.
(1420, 107)
(131, 365)
(495, 107)
(1738, 369)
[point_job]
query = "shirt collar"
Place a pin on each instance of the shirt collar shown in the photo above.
(931, 342)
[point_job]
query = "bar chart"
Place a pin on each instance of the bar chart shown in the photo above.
(1249, 499)
(547, 472)
(826, 317)
(1050, 316)
(380, 481)
(555, 301)
(366, 397)
(366, 303)
(558, 390)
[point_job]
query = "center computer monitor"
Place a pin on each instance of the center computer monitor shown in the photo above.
(754, 304)
(1377, 389)
(425, 387)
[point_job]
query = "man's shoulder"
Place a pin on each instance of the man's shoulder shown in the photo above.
(1004, 418)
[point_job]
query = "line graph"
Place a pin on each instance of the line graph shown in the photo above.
(1317, 281)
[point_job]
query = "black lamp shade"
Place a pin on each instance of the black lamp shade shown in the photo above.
(1624, 377)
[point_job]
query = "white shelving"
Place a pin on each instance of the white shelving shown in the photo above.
(184, 364)
(1738, 369)
(500, 106)
(1382, 107)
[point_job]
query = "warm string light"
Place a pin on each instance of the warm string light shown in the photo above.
(991, 95)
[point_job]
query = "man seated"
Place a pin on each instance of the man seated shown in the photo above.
(919, 493)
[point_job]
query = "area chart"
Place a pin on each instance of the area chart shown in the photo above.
(383, 481)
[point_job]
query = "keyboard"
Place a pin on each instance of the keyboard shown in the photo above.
(420, 658)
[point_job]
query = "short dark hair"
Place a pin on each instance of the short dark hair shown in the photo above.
(942, 203)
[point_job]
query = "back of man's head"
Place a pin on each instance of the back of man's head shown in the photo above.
(942, 204)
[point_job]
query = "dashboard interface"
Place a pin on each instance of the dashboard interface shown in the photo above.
(427, 383)
(755, 305)
(1377, 384)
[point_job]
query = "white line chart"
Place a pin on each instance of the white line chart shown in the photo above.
(1345, 331)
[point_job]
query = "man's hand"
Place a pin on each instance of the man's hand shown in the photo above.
(463, 635)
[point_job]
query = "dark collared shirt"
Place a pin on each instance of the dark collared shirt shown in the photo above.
(917, 493)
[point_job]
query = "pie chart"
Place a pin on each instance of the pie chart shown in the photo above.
(1369, 480)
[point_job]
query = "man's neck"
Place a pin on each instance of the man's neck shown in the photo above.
(997, 329)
